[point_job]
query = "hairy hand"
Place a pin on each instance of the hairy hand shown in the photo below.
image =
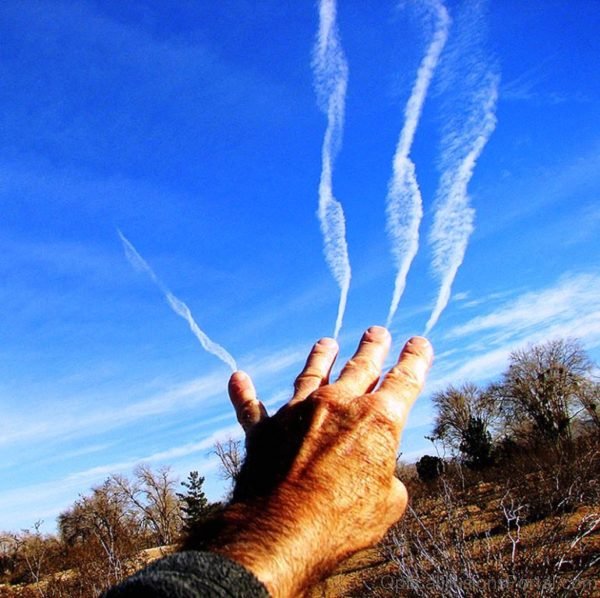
(318, 482)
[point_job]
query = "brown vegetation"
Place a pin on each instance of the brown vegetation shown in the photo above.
(103, 537)
(514, 512)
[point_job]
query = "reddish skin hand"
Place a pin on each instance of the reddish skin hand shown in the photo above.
(318, 483)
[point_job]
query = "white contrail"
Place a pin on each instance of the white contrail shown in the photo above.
(331, 79)
(404, 207)
(178, 306)
(453, 220)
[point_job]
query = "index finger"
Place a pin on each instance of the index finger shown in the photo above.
(404, 382)
(248, 409)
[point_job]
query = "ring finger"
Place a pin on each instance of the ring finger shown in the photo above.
(316, 370)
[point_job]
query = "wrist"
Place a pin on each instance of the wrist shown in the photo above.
(267, 538)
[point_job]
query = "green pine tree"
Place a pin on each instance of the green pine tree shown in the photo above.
(476, 445)
(194, 504)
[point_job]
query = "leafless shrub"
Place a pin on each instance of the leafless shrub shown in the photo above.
(447, 545)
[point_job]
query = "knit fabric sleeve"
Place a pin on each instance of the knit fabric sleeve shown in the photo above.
(191, 574)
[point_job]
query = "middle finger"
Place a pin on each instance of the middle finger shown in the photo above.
(361, 374)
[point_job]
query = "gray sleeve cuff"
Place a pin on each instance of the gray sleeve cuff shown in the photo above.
(191, 574)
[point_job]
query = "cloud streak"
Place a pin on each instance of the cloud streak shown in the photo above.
(90, 421)
(178, 306)
(462, 144)
(404, 206)
(568, 308)
(48, 499)
(331, 80)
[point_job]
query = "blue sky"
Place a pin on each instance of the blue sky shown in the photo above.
(194, 128)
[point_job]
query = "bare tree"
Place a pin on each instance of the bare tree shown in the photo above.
(102, 523)
(465, 417)
(7, 555)
(31, 552)
(152, 494)
(589, 398)
(231, 458)
(437, 551)
(544, 384)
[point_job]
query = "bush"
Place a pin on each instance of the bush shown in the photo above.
(530, 530)
(429, 468)
(476, 445)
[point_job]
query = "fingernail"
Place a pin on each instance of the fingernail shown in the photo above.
(377, 332)
(421, 344)
(327, 342)
(240, 382)
(418, 341)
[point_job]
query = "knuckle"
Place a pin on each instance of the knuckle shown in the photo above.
(246, 411)
(246, 418)
(389, 409)
(311, 376)
(363, 365)
(327, 399)
(383, 412)
(406, 377)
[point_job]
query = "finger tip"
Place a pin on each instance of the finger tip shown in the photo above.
(328, 342)
(239, 380)
(377, 333)
(420, 345)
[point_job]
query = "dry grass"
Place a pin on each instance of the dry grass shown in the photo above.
(529, 528)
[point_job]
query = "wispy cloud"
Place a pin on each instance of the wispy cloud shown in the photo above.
(87, 421)
(568, 308)
(529, 87)
(460, 297)
(465, 301)
(48, 499)
(178, 306)
(160, 457)
(571, 306)
(404, 206)
(463, 141)
(331, 80)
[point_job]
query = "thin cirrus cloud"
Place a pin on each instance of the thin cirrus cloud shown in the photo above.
(85, 421)
(178, 306)
(404, 205)
(188, 394)
(48, 499)
(568, 308)
(168, 455)
(331, 81)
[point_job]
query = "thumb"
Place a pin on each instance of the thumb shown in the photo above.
(397, 502)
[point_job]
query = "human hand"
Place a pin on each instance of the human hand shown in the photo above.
(318, 482)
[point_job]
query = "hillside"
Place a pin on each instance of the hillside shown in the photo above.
(527, 528)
